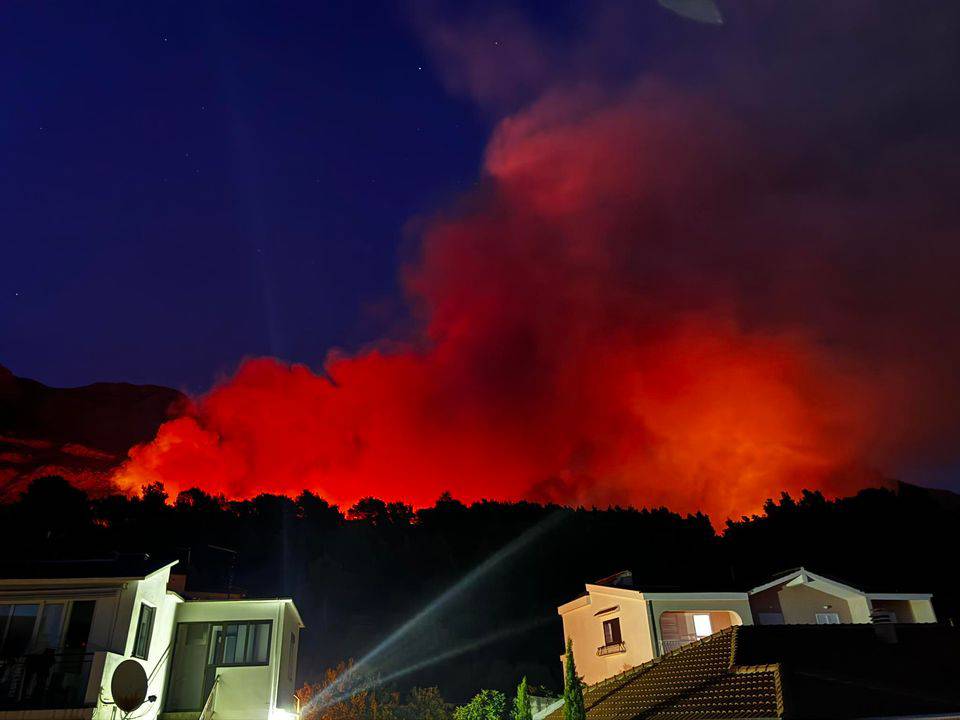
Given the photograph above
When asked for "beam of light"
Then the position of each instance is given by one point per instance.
(434, 659)
(448, 595)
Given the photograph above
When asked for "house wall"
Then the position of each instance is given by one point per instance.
(126, 603)
(923, 611)
(245, 693)
(290, 643)
(586, 630)
(153, 591)
(766, 602)
(106, 615)
(801, 603)
(901, 608)
(123, 613)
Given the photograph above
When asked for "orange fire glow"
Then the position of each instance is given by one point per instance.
(591, 336)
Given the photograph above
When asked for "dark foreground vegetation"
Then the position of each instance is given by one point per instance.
(359, 575)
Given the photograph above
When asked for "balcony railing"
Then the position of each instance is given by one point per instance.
(612, 649)
(678, 641)
(44, 681)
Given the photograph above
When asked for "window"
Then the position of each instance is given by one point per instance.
(79, 624)
(18, 631)
(48, 632)
(141, 642)
(246, 643)
(31, 628)
(611, 632)
(702, 626)
(828, 619)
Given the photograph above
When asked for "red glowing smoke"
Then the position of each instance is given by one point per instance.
(647, 301)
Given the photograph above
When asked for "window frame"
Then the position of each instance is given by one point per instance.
(615, 638)
(149, 633)
(218, 658)
(41, 602)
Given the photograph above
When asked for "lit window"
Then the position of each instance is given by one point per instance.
(141, 644)
(702, 626)
(245, 643)
(828, 619)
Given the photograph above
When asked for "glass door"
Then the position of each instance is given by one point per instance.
(187, 687)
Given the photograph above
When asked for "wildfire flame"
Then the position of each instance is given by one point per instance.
(647, 300)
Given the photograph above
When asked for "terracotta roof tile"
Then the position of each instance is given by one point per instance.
(823, 671)
(698, 681)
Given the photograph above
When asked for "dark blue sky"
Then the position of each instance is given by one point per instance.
(187, 184)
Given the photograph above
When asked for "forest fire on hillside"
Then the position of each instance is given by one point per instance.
(588, 338)
(660, 291)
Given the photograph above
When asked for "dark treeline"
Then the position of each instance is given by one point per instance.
(359, 575)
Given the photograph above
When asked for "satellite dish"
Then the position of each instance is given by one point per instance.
(129, 685)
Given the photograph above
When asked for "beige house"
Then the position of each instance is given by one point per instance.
(616, 626)
(65, 627)
(802, 597)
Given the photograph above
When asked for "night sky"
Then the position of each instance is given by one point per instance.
(185, 184)
(579, 251)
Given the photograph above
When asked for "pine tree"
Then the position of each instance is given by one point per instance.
(521, 703)
(573, 708)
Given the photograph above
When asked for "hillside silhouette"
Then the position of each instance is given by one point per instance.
(360, 573)
(83, 433)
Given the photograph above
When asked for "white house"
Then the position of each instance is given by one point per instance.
(616, 626)
(65, 626)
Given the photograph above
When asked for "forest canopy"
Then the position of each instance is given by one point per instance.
(360, 573)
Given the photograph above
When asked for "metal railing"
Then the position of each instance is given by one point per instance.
(208, 706)
(678, 642)
(44, 681)
(612, 648)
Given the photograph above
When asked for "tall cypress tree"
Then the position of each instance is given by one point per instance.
(521, 703)
(573, 708)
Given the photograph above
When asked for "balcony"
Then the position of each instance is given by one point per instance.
(46, 681)
(612, 649)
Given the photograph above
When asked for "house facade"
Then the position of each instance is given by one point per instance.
(64, 628)
(803, 597)
(808, 672)
(616, 626)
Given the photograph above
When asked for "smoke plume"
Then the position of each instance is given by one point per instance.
(702, 265)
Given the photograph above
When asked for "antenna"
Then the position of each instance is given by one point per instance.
(129, 685)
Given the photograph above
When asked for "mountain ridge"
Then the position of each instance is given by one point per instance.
(82, 433)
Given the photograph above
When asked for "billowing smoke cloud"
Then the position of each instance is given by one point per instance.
(693, 282)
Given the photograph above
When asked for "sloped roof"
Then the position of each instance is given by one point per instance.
(133, 566)
(696, 681)
(790, 671)
(850, 580)
(804, 576)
